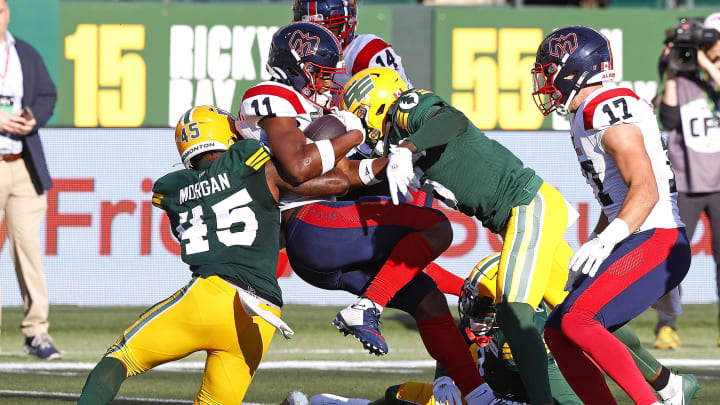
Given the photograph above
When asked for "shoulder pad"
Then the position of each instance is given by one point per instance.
(612, 107)
(271, 100)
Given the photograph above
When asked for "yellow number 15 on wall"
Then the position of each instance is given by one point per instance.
(110, 83)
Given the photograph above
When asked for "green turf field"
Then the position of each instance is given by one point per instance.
(318, 359)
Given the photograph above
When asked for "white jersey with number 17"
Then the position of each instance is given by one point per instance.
(603, 109)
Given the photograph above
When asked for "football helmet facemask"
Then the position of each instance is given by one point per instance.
(369, 94)
(567, 60)
(339, 16)
(204, 129)
(475, 304)
(302, 53)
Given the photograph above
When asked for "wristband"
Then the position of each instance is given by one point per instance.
(365, 172)
(616, 231)
(327, 154)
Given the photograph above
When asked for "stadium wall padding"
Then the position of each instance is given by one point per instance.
(105, 244)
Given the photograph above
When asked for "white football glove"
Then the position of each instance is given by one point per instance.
(446, 392)
(400, 174)
(593, 253)
(351, 121)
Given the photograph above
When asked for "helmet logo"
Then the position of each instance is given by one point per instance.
(563, 44)
(358, 90)
(303, 43)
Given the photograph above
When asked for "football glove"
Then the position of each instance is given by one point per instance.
(400, 174)
(351, 121)
(446, 392)
(593, 253)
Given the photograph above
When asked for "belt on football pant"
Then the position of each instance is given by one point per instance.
(11, 157)
(262, 297)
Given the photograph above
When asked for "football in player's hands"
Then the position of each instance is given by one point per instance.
(325, 127)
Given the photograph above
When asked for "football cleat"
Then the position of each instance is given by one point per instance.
(684, 388)
(362, 320)
(666, 339)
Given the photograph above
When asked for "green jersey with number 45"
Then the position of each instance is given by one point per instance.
(470, 171)
(225, 217)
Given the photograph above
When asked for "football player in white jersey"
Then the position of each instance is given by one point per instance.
(303, 60)
(345, 244)
(638, 250)
(359, 51)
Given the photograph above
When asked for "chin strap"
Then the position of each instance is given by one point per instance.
(563, 109)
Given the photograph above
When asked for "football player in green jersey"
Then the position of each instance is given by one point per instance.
(481, 178)
(224, 211)
(492, 353)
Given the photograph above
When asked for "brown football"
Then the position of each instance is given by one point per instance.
(325, 127)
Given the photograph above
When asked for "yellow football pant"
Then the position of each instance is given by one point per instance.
(206, 315)
(532, 246)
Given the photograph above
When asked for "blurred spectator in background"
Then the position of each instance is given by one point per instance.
(689, 110)
(27, 100)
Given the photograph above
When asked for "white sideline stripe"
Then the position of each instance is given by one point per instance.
(300, 364)
(268, 365)
(68, 395)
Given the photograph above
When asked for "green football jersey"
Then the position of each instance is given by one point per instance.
(226, 219)
(486, 179)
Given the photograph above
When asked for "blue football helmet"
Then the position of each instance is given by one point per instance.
(300, 54)
(339, 16)
(567, 60)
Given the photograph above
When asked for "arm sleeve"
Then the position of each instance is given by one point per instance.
(669, 117)
(440, 129)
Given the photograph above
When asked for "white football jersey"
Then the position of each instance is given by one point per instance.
(607, 107)
(368, 50)
(273, 99)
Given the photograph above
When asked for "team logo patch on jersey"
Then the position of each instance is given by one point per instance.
(304, 44)
(409, 101)
(563, 44)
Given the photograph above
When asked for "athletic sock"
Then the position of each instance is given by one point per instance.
(528, 350)
(104, 382)
(445, 344)
(646, 362)
(447, 282)
(411, 254)
(660, 382)
(609, 353)
(583, 375)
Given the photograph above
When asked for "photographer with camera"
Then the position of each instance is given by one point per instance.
(689, 111)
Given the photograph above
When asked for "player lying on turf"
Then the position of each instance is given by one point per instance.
(494, 358)
(223, 209)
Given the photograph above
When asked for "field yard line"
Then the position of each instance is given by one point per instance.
(299, 364)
